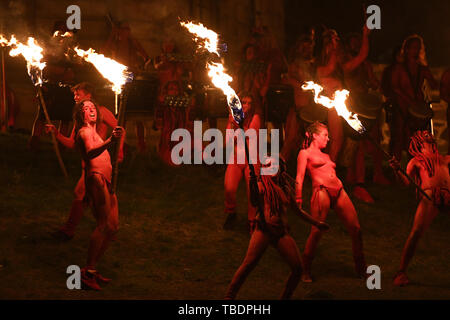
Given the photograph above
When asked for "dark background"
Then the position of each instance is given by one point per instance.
(399, 18)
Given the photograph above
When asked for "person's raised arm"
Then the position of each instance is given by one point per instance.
(302, 160)
(353, 63)
(92, 150)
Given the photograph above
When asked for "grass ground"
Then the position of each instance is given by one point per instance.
(171, 244)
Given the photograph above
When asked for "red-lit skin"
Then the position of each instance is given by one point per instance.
(322, 172)
(445, 95)
(359, 77)
(300, 71)
(78, 206)
(404, 93)
(173, 118)
(98, 170)
(234, 171)
(426, 211)
(259, 241)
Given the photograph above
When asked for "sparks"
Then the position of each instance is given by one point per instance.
(338, 103)
(110, 69)
(204, 36)
(31, 52)
(63, 35)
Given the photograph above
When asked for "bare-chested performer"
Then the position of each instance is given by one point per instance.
(82, 91)
(430, 169)
(328, 192)
(276, 194)
(98, 173)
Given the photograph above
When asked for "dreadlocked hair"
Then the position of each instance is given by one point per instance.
(415, 149)
(313, 128)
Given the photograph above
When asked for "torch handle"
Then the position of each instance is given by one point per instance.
(55, 142)
(117, 144)
(253, 183)
(389, 156)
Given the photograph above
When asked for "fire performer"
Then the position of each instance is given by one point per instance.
(82, 91)
(328, 192)
(359, 78)
(431, 169)
(445, 95)
(275, 193)
(234, 171)
(407, 80)
(12, 105)
(98, 172)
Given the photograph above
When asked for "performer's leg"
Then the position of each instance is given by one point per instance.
(425, 214)
(347, 213)
(101, 207)
(256, 248)
(77, 209)
(292, 135)
(140, 134)
(359, 191)
(233, 175)
(336, 134)
(320, 206)
(112, 225)
(289, 251)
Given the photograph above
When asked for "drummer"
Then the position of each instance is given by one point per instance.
(359, 79)
(301, 69)
(408, 78)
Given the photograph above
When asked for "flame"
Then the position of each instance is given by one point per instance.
(338, 103)
(31, 52)
(110, 69)
(209, 37)
(63, 35)
(221, 80)
(216, 71)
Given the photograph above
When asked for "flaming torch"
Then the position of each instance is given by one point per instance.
(338, 103)
(118, 75)
(32, 53)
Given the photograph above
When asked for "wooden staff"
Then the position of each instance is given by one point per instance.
(117, 144)
(55, 142)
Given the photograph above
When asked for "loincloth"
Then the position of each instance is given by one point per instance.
(333, 193)
(440, 197)
(106, 182)
(274, 231)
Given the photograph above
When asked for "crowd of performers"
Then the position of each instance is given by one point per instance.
(269, 87)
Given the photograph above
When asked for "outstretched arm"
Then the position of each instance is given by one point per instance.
(410, 170)
(68, 142)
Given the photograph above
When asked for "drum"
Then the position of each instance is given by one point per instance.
(419, 116)
(279, 99)
(59, 101)
(215, 103)
(143, 94)
(368, 107)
